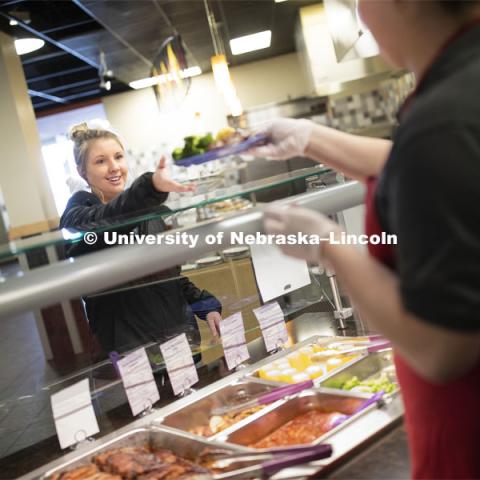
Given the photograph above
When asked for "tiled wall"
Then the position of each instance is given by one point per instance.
(374, 107)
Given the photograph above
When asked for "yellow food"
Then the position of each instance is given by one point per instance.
(300, 377)
(297, 360)
(333, 363)
(224, 133)
(274, 375)
(287, 375)
(315, 371)
(309, 362)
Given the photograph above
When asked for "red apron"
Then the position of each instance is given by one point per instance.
(442, 421)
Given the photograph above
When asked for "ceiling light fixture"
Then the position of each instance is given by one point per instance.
(27, 45)
(105, 84)
(104, 73)
(250, 43)
(151, 81)
(280, 1)
(17, 16)
(221, 74)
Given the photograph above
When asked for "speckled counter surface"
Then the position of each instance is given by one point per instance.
(386, 459)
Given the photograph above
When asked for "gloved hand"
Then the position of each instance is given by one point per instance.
(292, 220)
(288, 138)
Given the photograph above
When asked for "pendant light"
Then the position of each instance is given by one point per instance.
(221, 73)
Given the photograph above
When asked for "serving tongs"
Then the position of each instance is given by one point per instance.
(270, 397)
(278, 459)
(355, 348)
(375, 399)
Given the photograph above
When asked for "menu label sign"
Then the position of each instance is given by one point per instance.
(234, 343)
(272, 322)
(138, 381)
(73, 414)
(179, 362)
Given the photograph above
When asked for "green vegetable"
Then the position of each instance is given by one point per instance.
(190, 140)
(194, 145)
(372, 385)
(205, 141)
(349, 384)
(177, 154)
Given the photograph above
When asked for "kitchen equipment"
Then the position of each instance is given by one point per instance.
(182, 444)
(236, 252)
(270, 397)
(208, 261)
(197, 415)
(369, 367)
(269, 468)
(260, 426)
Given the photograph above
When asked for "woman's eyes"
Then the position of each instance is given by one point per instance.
(118, 157)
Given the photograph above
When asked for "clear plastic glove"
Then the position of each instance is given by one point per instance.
(292, 220)
(162, 182)
(288, 138)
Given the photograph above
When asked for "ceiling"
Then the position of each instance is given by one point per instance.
(129, 33)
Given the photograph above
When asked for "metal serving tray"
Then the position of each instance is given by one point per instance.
(198, 413)
(250, 432)
(317, 339)
(183, 444)
(366, 367)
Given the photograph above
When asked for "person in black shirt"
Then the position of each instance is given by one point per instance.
(424, 293)
(157, 307)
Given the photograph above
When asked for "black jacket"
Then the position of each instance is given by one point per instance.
(141, 313)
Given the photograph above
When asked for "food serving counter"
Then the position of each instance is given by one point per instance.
(347, 427)
(346, 421)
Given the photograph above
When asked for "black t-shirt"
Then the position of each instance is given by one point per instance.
(429, 191)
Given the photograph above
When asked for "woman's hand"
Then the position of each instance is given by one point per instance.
(287, 138)
(294, 220)
(213, 321)
(162, 182)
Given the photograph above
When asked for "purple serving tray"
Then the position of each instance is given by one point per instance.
(221, 152)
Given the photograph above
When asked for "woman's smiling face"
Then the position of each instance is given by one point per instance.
(106, 167)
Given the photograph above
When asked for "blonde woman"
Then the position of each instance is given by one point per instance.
(141, 314)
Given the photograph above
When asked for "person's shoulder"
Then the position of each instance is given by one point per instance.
(451, 104)
(82, 198)
(78, 199)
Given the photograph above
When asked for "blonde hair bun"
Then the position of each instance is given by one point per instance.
(78, 132)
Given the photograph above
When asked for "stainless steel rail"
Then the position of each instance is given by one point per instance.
(72, 278)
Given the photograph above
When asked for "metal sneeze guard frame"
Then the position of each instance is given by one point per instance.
(71, 278)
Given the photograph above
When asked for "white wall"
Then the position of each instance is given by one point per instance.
(268, 81)
(59, 124)
(23, 178)
(136, 116)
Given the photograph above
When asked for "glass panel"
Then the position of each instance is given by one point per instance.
(203, 203)
(130, 315)
(63, 347)
(29, 417)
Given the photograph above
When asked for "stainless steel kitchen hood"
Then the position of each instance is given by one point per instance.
(335, 48)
